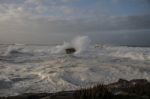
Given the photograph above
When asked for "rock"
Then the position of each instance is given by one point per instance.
(28, 96)
(124, 83)
(61, 95)
(70, 50)
(137, 87)
(139, 82)
(120, 84)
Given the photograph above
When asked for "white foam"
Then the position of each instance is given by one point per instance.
(81, 43)
(57, 72)
(131, 53)
(13, 48)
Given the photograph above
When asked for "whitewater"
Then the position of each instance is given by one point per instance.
(47, 68)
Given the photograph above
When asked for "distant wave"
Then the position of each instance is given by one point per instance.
(130, 52)
(13, 49)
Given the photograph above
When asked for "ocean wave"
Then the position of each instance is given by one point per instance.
(38, 69)
(79, 43)
(13, 49)
(131, 53)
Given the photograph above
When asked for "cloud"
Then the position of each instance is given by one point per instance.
(38, 19)
(62, 18)
(69, 1)
(66, 18)
(30, 9)
(50, 2)
(36, 1)
(70, 24)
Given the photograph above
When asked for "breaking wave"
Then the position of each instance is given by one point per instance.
(131, 53)
(35, 68)
(13, 49)
(80, 43)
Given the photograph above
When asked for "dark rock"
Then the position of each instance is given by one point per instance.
(70, 50)
(123, 81)
(139, 81)
(136, 87)
(125, 84)
(28, 96)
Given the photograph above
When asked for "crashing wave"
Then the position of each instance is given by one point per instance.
(13, 49)
(80, 44)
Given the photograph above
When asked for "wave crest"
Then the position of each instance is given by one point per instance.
(80, 43)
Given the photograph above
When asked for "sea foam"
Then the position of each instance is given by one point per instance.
(13, 49)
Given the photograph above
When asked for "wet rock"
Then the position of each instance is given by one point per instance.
(61, 95)
(70, 50)
(139, 82)
(137, 87)
(28, 96)
(126, 84)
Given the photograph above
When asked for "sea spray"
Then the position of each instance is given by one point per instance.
(13, 49)
(80, 43)
(60, 48)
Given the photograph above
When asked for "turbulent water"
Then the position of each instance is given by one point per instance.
(33, 68)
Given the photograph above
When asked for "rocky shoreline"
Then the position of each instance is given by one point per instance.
(122, 89)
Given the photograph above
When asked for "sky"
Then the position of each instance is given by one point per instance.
(122, 22)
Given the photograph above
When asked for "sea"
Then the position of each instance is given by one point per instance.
(30, 68)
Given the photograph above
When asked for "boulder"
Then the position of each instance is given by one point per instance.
(70, 50)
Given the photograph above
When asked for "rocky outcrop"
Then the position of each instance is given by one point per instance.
(136, 87)
(123, 89)
(70, 50)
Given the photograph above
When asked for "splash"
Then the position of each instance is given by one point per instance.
(13, 49)
(80, 43)
(60, 48)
